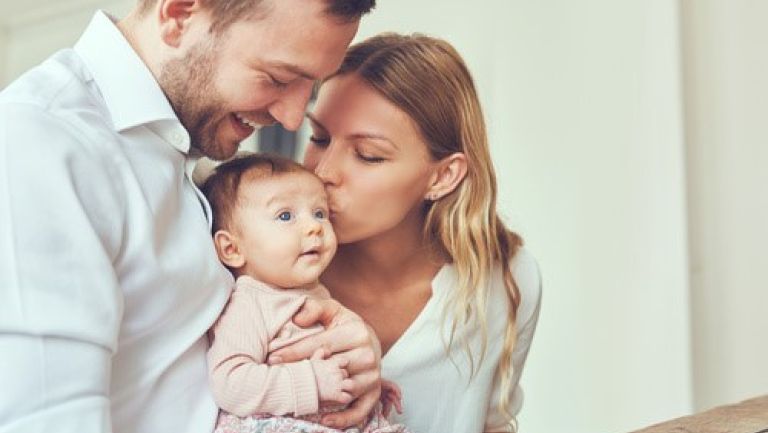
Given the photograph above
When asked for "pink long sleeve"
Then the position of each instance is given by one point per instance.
(257, 320)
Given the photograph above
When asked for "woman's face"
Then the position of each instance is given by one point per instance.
(370, 155)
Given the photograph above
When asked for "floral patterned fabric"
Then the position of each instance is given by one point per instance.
(228, 423)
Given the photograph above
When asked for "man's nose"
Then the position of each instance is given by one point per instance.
(289, 109)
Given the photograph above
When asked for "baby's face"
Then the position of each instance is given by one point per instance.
(283, 229)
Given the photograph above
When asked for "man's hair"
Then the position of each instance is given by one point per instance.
(226, 12)
(222, 187)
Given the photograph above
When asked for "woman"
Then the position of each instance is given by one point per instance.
(400, 142)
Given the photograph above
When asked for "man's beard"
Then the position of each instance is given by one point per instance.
(189, 85)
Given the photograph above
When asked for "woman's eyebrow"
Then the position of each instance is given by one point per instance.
(314, 120)
(358, 136)
(376, 137)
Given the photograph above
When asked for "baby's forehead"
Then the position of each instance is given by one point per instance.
(292, 187)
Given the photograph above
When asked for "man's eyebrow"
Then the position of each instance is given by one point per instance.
(292, 69)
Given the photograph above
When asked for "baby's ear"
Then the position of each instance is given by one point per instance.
(227, 249)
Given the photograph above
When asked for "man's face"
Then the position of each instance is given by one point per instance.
(256, 72)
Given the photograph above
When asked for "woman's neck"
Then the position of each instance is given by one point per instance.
(391, 259)
(386, 279)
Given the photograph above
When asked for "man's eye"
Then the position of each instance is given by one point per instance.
(277, 83)
(285, 216)
(320, 214)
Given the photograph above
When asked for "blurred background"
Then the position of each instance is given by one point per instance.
(631, 143)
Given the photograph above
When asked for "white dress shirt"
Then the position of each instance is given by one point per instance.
(438, 395)
(108, 276)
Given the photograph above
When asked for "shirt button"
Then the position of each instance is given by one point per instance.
(178, 138)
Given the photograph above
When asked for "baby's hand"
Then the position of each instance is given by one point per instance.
(333, 383)
(390, 396)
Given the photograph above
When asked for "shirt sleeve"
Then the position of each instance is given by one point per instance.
(242, 382)
(60, 303)
(526, 274)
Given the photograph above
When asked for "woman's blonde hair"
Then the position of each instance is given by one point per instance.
(427, 79)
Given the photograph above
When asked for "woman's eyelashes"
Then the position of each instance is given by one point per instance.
(369, 158)
(361, 154)
(368, 153)
(320, 141)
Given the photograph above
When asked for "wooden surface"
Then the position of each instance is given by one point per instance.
(749, 416)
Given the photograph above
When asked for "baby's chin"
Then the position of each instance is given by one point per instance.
(305, 281)
(304, 284)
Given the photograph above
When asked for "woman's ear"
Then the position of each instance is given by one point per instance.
(175, 19)
(450, 171)
(227, 249)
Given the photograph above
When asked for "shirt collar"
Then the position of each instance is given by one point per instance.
(130, 91)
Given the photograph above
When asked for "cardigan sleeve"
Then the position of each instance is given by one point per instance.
(242, 382)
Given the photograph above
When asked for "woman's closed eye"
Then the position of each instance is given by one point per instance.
(369, 157)
(320, 141)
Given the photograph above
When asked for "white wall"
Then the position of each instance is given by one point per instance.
(32, 37)
(584, 110)
(3, 55)
(726, 76)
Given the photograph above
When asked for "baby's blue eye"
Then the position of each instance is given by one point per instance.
(285, 216)
(320, 214)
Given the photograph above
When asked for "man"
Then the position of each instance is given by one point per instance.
(108, 278)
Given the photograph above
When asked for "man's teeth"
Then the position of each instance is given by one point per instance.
(248, 122)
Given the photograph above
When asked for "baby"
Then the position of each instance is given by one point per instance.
(271, 229)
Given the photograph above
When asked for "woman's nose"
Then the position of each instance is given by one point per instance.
(327, 167)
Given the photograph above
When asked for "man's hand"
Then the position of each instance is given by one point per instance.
(351, 343)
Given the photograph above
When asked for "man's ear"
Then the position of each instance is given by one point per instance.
(227, 249)
(175, 18)
(449, 173)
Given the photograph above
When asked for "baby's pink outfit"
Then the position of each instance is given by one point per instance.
(256, 397)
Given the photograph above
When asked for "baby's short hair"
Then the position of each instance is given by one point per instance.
(221, 188)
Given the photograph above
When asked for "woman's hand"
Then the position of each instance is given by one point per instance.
(348, 339)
